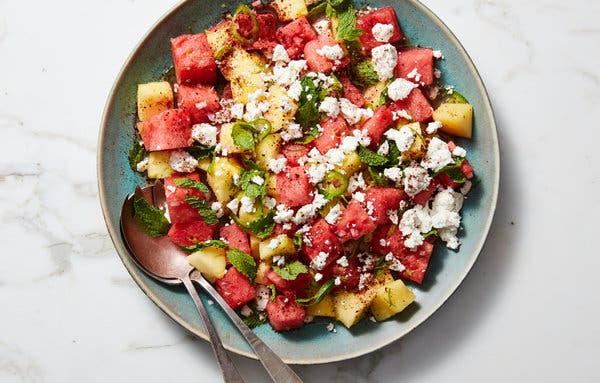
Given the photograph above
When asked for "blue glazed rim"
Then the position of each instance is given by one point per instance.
(485, 108)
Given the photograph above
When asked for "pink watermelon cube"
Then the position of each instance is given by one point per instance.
(295, 35)
(331, 135)
(379, 200)
(198, 101)
(351, 92)
(416, 104)
(354, 222)
(235, 288)
(416, 65)
(294, 152)
(190, 233)
(322, 240)
(235, 236)
(284, 313)
(377, 125)
(422, 197)
(171, 129)
(385, 15)
(293, 187)
(193, 60)
(179, 210)
(319, 60)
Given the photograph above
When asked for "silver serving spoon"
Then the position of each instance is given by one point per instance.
(163, 260)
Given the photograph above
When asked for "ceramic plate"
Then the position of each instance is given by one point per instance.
(313, 343)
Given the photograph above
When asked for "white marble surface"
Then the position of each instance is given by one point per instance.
(529, 310)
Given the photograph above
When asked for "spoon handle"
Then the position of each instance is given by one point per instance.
(277, 369)
(230, 372)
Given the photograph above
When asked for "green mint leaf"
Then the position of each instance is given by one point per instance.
(307, 114)
(151, 219)
(255, 319)
(208, 215)
(205, 244)
(262, 227)
(370, 158)
(456, 175)
(453, 166)
(244, 263)
(394, 155)
(136, 154)
(252, 189)
(290, 271)
(363, 74)
(190, 183)
(243, 135)
(347, 29)
(201, 152)
(319, 295)
(377, 177)
(298, 238)
(273, 292)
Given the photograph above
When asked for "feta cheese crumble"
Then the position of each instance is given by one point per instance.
(280, 54)
(404, 138)
(330, 107)
(277, 165)
(384, 59)
(205, 134)
(331, 52)
(400, 88)
(416, 179)
(182, 162)
(334, 214)
(382, 32)
(438, 155)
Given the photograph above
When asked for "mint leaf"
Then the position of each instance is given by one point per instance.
(377, 177)
(151, 219)
(290, 271)
(262, 227)
(347, 29)
(243, 135)
(363, 74)
(255, 319)
(199, 246)
(318, 296)
(456, 175)
(244, 263)
(201, 152)
(190, 183)
(252, 189)
(371, 158)
(136, 154)
(298, 238)
(394, 155)
(208, 215)
(307, 114)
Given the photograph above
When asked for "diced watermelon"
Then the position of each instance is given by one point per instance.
(416, 104)
(382, 200)
(415, 262)
(266, 36)
(227, 92)
(284, 313)
(235, 236)
(322, 240)
(354, 222)
(349, 275)
(378, 124)
(467, 169)
(190, 233)
(279, 229)
(179, 210)
(297, 286)
(318, 62)
(420, 59)
(351, 92)
(294, 152)
(331, 135)
(422, 197)
(193, 59)
(392, 240)
(198, 101)
(446, 181)
(385, 15)
(235, 288)
(171, 129)
(295, 35)
(293, 187)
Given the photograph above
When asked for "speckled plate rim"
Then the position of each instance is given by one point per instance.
(115, 233)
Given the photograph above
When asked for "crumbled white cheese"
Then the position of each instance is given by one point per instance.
(253, 112)
(333, 215)
(349, 144)
(433, 127)
(394, 174)
(237, 111)
(217, 207)
(385, 59)
(384, 149)
(414, 74)
(246, 205)
(142, 166)
(283, 214)
(272, 245)
(359, 196)
(295, 90)
(331, 328)
(343, 261)
(337, 281)
(182, 162)
(382, 32)
(234, 205)
(320, 261)
(307, 212)
(318, 277)
(416, 179)
(334, 157)
(459, 152)
(356, 182)
(352, 113)
(396, 265)
(331, 52)
(397, 114)
(445, 216)
(437, 74)
(201, 105)
(393, 216)
(400, 88)
(414, 222)
(330, 107)
(280, 54)
(292, 132)
(277, 165)
(205, 134)
(286, 75)
(263, 293)
(438, 155)
(437, 54)
(316, 173)
(404, 138)
(269, 202)
(258, 180)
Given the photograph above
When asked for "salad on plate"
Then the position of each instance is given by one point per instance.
(308, 156)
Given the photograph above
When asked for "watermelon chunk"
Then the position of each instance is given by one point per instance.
(235, 236)
(171, 129)
(319, 62)
(467, 169)
(446, 181)
(354, 222)
(416, 104)
(293, 187)
(331, 135)
(385, 15)
(179, 210)
(322, 240)
(380, 200)
(294, 152)
(419, 59)
(266, 35)
(295, 35)
(377, 125)
(284, 313)
(198, 101)
(297, 286)
(422, 197)
(235, 288)
(193, 59)
(190, 233)
(351, 92)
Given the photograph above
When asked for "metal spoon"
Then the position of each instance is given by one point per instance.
(162, 259)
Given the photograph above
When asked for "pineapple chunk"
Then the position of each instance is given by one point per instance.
(204, 164)
(153, 98)
(279, 245)
(325, 308)
(350, 165)
(243, 86)
(210, 261)
(159, 165)
(288, 10)
(240, 64)
(272, 186)
(390, 299)
(417, 150)
(261, 273)
(456, 119)
(372, 94)
(281, 108)
(220, 178)
(254, 245)
(219, 38)
(351, 307)
(226, 141)
(267, 149)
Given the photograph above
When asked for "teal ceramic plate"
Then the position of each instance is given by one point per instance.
(313, 343)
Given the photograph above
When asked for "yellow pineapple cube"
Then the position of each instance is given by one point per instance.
(351, 307)
(325, 308)
(210, 261)
(288, 10)
(220, 178)
(153, 98)
(281, 108)
(261, 273)
(220, 39)
(279, 245)
(240, 63)
(350, 165)
(159, 164)
(456, 119)
(267, 149)
(243, 86)
(390, 299)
